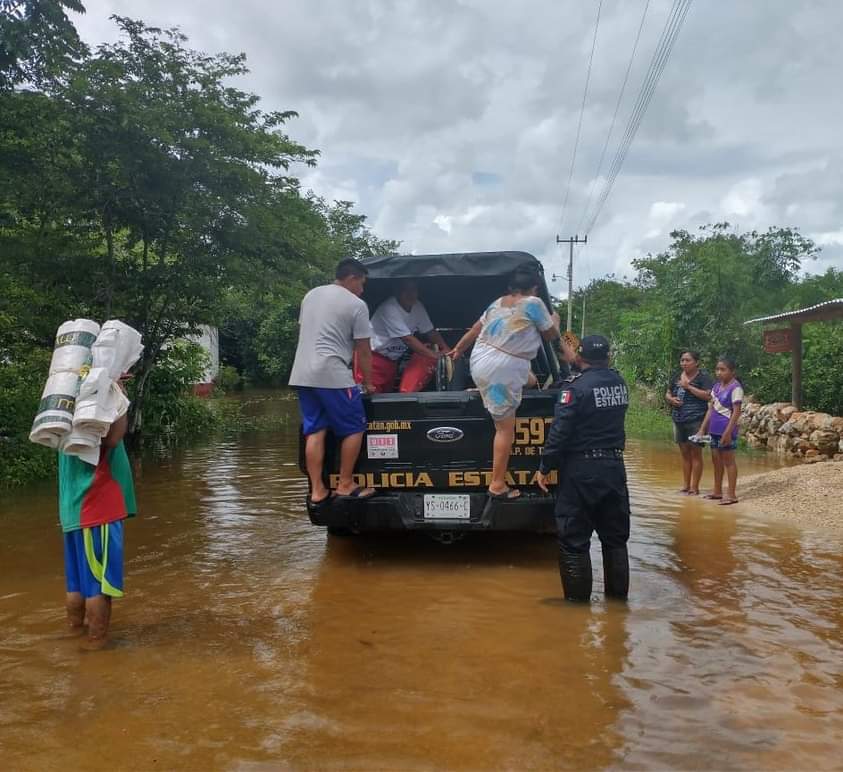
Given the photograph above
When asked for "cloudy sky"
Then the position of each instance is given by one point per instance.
(452, 122)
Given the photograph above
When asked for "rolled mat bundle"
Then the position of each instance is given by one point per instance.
(71, 354)
(82, 399)
(101, 402)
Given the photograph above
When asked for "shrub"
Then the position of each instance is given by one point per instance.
(21, 382)
(170, 411)
(228, 379)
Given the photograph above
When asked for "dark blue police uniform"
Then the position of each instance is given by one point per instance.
(585, 444)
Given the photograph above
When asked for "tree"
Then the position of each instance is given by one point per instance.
(606, 300)
(701, 290)
(38, 41)
(260, 324)
(175, 171)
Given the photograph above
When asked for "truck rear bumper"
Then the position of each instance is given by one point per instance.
(405, 511)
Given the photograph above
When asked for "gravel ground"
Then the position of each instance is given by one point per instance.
(808, 495)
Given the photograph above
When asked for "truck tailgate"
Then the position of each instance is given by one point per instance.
(443, 441)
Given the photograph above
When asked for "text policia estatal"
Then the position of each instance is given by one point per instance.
(461, 479)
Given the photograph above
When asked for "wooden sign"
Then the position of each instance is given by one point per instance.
(778, 341)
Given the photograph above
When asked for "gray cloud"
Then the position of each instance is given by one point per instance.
(451, 123)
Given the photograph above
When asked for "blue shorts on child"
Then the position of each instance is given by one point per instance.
(93, 560)
(340, 410)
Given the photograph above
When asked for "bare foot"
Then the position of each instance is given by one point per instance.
(507, 494)
(319, 497)
(355, 492)
(74, 631)
(95, 644)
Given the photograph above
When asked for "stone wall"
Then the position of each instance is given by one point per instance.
(779, 427)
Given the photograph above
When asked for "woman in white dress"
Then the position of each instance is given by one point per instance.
(508, 337)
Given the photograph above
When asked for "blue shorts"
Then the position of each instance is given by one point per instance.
(340, 410)
(716, 445)
(93, 560)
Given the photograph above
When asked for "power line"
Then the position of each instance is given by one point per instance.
(614, 117)
(657, 65)
(660, 58)
(582, 111)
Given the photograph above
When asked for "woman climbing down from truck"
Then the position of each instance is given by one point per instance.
(508, 337)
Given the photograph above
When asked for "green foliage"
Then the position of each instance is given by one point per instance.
(645, 420)
(698, 294)
(37, 40)
(703, 289)
(21, 382)
(228, 379)
(172, 410)
(260, 321)
(138, 182)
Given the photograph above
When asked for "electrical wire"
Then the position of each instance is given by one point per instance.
(592, 186)
(657, 65)
(579, 122)
(661, 56)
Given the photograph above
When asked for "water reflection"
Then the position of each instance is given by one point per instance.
(249, 639)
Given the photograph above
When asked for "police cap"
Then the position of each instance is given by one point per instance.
(594, 348)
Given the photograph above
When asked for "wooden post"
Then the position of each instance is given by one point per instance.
(796, 349)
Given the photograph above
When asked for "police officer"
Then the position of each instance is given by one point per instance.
(586, 444)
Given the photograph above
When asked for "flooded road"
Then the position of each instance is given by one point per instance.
(250, 640)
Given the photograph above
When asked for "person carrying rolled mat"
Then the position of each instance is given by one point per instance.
(399, 325)
(94, 500)
(508, 337)
(585, 445)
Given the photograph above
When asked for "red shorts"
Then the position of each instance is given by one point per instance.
(417, 374)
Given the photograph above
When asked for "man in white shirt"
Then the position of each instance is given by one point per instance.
(398, 326)
(334, 329)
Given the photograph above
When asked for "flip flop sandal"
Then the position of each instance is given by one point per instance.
(313, 503)
(684, 491)
(727, 502)
(357, 493)
(712, 497)
(505, 495)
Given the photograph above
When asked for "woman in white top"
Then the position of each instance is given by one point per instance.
(508, 337)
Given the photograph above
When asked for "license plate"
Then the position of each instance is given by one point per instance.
(447, 507)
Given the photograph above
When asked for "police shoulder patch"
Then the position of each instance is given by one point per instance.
(566, 397)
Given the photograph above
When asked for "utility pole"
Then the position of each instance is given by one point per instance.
(571, 241)
(582, 332)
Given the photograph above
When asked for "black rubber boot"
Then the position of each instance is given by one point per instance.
(575, 571)
(616, 572)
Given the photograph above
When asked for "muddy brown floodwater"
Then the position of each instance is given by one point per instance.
(250, 640)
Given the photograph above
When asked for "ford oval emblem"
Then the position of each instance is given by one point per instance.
(445, 434)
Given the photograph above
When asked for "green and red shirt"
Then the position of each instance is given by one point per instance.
(95, 495)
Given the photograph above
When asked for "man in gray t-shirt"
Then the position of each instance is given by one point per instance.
(334, 328)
